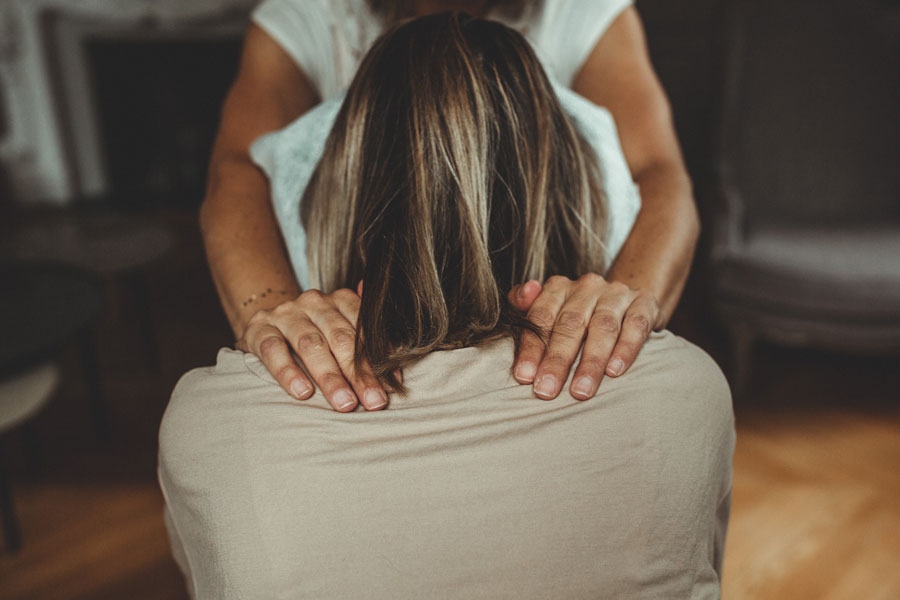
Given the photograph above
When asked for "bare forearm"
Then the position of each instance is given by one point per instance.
(618, 75)
(244, 248)
(657, 255)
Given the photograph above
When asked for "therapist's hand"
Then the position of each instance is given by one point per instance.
(612, 319)
(321, 328)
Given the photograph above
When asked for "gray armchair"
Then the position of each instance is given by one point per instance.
(806, 242)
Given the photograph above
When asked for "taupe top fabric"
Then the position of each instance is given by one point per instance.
(470, 487)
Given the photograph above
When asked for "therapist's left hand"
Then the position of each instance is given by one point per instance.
(611, 319)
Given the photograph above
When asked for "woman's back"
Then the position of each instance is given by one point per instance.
(468, 487)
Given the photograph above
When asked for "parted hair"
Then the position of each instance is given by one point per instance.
(451, 174)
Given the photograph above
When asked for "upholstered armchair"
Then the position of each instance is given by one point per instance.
(806, 242)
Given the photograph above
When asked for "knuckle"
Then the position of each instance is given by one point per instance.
(542, 316)
(556, 280)
(648, 297)
(530, 344)
(592, 279)
(556, 363)
(626, 350)
(619, 288)
(285, 308)
(260, 317)
(269, 344)
(592, 364)
(606, 322)
(311, 296)
(343, 340)
(571, 322)
(284, 373)
(311, 341)
(344, 295)
(641, 323)
(332, 380)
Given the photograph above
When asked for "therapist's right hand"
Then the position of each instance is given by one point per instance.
(321, 329)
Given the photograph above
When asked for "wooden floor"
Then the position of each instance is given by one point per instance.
(816, 507)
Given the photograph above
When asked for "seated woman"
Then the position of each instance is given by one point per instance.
(451, 174)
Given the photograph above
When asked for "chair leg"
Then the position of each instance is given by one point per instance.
(32, 448)
(742, 343)
(92, 383)
(11, 533)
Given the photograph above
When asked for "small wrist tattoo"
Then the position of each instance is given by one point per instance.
(260, 296)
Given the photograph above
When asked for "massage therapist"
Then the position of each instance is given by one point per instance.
(300, 52)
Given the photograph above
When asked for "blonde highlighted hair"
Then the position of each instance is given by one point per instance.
(450, 175)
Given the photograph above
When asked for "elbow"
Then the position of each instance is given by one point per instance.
(694, 226)
(689, 210)
(206, 215)
(203, 216)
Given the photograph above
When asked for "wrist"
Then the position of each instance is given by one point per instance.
(258, 299)
(264, 299)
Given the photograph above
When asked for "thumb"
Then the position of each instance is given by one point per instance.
(522, 296)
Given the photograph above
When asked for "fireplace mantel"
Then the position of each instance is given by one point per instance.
(51, 148)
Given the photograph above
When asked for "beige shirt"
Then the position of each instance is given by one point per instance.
(469, 487)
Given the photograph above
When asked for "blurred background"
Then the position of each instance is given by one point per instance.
(787, 113)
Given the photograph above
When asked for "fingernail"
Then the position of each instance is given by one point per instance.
(584, 386)
(299, 388)
(375, 399)
(525, 372)
(615, 367)
(343, 398)
(545, 386)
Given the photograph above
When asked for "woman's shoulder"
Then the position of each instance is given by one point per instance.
(564, 32)
(326, 38)
(240, 382)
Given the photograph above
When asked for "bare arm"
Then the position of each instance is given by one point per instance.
(243, 244)
(246, 253)
(613, 315)
(618, 75)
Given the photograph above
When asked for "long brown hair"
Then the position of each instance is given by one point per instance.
(450, 175)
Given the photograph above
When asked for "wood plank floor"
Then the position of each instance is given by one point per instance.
(816, 511)
(816, 506)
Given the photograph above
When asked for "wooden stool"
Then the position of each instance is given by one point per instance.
(22, 397)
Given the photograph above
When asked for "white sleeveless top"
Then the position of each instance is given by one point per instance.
(328, 38)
